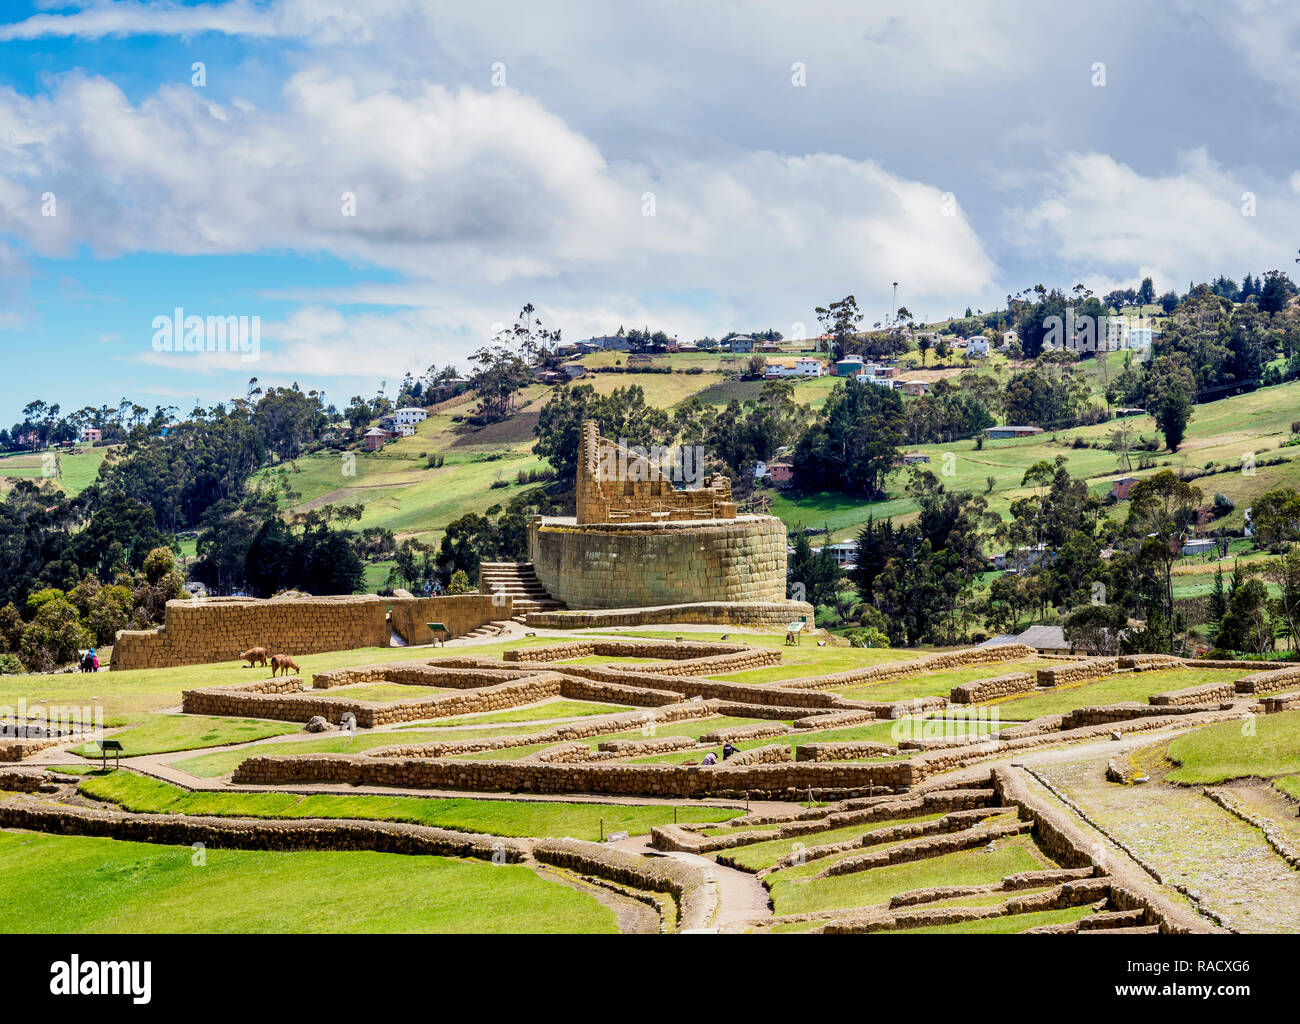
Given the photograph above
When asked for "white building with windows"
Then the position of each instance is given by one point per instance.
(409, 416)
(802, 367)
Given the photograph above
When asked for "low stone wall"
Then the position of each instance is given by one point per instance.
(737, 733)
(1077, 671)
(677, 659)
(772, 711)
(846, 751)
(596, 725)
(924, 848)
(743, 693)
(699, 613)
(693, 892)
(775, 754)
(22, 781)
(15, 749)
(533, 777)
(1285, 702)
(917, 666)
(256, 833)
(1209, 693)
(957, 757)
(991, 689)
(834, 720)
(1269, 682)
(1150, 662)
(197, 632)
(808, 822)
(303, 706)
(646, 747)
(1125, 711)
(1067, 894)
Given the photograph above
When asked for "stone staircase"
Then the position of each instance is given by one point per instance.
(487, 629)
(519, 582)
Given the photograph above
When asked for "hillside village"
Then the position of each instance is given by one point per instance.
(420, 467)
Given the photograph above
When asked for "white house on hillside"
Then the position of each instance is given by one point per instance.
(409, 416)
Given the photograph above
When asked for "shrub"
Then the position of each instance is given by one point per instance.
(460, 583)
(867, 637)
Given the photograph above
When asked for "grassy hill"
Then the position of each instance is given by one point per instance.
(72, 472)
(402, 493)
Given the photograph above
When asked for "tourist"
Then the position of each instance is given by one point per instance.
(727, 750)
(710, 758)
(94, 661)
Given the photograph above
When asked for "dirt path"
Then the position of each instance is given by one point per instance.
(741, 896)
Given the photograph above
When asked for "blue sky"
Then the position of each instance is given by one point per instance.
(506, 152)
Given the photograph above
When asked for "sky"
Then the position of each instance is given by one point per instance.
(384, 184)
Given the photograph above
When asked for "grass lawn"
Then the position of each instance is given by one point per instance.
(1137, 686)
(159, 734)
(810, 660)
(220, 762)
(542, 818)
(1288, 784)
(535, 712)
(127, 696)
(1227, 751)
(1009, 924)
(935, 684)
(764, 855)
(793, 895)
(86, 885)
(382, 693)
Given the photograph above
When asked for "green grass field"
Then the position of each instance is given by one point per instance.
(534, 712)
(72, 473)
(222, 762)
(1111, 690)
(1263, 746)
(159, 734)
(127, 696)
(764, 855)
(1009, 924)
(792, 894)
(935, 684)
(81, 885)
(495, 817)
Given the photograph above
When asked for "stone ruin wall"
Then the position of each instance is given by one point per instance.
(777, 779)
(701, 613)
(199, 632)
(638, 565)
(643, 494)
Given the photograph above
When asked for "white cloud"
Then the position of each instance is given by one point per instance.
(1103, 217)
(485, 193)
